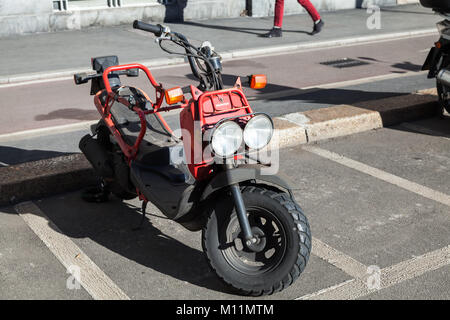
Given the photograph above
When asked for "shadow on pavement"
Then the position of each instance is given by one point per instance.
(69, 113)
(400, 10)
(333, 96)
(254, 31)
(12, 155)
(436, 127)
(406, 65)
(112, 224)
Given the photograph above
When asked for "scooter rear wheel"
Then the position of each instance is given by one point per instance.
(281, 253)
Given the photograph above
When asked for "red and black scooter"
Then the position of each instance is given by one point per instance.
(254, 235)
(438, 59)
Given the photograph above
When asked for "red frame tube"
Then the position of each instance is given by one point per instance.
(129, 151)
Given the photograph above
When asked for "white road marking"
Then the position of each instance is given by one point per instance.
(382, 175)
(317, 295)
(38, 81)
(33, 78)
(92, 278)
(33, 133)
(339, 259)
(415, 267)
(421, 129)
(390, 276)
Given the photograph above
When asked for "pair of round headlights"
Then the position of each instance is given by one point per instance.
(227, 137)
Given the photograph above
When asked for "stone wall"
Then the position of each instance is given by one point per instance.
(262, 8)
(31, 16)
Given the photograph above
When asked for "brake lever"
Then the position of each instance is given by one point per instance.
(165, 34)
(161, 38)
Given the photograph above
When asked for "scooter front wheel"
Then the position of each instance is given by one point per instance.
(279, 256)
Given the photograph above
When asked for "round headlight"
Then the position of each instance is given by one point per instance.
(258, 131)
(226, 139)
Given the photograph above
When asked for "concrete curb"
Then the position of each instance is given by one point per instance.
(45, 177)
(226, 55)
(320, 124)
(41, 178)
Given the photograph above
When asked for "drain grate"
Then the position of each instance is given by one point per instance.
(344, 63)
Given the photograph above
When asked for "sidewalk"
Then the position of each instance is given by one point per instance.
(72, 50)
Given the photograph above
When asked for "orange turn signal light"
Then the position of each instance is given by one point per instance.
(174, 95)
(438, 45)
(258, 81)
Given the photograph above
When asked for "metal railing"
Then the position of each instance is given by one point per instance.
(63, 5)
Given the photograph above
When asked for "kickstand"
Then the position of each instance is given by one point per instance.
(144, 207)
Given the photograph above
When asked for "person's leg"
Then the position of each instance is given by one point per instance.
(279, 13)
(315, 16)
(278, 21)
(309, 7)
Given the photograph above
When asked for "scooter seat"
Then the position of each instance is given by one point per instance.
(438, 5)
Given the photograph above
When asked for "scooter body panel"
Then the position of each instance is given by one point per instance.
(201, 116)
(166, 187)
(243, 175)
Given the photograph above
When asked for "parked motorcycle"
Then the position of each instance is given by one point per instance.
(254, 234)
(438, 59)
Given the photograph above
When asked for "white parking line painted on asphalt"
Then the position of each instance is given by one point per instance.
(333, 289)
(33, 133)
(421, 129)
(390, 276)
(415, 267)
(382, 175)
(339, 259)
(92, 278)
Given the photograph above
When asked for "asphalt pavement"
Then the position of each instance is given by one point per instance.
(297, 82)
(291, 78)
(68, 50)
(377, 201)
(372, 206)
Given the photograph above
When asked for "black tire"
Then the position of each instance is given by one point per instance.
(444, 103)
(270, 212)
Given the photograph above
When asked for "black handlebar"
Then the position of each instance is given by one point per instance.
(157, 30)
(192, 53)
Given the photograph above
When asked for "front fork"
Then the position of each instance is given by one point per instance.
(241, 211)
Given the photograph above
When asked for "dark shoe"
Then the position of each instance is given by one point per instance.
(274, 33)
(317, 27)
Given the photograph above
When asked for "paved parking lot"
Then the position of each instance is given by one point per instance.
(378, 203)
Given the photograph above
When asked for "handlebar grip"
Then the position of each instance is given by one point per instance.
(80, 78)
(157, 30)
